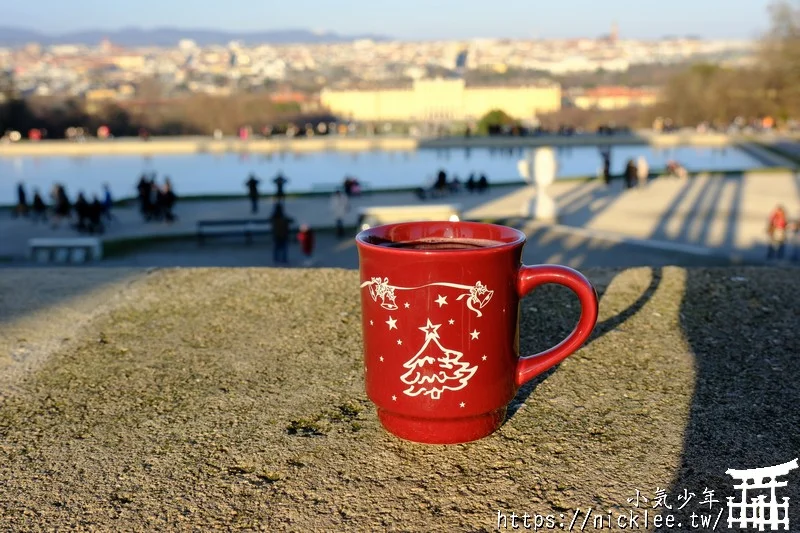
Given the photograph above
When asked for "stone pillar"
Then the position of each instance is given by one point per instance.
(539, 169)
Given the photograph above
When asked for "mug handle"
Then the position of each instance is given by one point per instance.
(530, 277)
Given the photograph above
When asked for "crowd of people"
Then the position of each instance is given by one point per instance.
(442, 186)
(89, 216)
(90, 213)
(156, 202)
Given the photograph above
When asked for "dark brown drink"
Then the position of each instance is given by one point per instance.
(440, 244)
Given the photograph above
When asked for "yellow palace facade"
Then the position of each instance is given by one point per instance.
(439, 100)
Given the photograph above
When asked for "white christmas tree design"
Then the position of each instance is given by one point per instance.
(435, 368)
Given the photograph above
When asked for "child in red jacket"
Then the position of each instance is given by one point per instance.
(306, 239)
(777, 233)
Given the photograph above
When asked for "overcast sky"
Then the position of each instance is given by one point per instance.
(406, 19)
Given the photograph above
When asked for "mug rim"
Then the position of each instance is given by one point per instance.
(519, 239)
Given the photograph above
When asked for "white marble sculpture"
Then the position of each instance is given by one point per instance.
(539, 169)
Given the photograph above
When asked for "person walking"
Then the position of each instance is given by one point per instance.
(252, 192)
(340, 206)
(776, 230)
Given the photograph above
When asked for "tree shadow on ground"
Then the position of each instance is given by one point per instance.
(744, 414)
(692, 223)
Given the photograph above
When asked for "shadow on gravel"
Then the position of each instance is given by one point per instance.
(47, 287)
(742, 326)
(537, 334)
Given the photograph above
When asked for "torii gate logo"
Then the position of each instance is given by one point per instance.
(755, 510)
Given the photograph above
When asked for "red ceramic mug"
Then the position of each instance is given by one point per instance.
(440, 315)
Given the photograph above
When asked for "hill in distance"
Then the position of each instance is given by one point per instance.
(167, 37)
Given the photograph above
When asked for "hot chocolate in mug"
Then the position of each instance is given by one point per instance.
(440, 318)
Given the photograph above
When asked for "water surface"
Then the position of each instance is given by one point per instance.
(196, 174)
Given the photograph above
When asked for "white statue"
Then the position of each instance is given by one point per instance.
(539, 169)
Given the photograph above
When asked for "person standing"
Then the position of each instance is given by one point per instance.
(22, 202)
(95, 216)
(340, 205)
(483, 184)
(795, 229)
(108, 202)
(306, 239)
(642, 171)
(777, 233)
(630, 174)
(143, 188)
(166, 201)
(279, 182)
(280, 235)
(471, 183)
(606, 155)
(82, 210)
(61, 205)
(440, 187)
(252, 192)
(39, 207)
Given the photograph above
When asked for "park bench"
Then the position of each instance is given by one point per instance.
(379, 215)
(333, 187)
(233, 227)
(65, 249)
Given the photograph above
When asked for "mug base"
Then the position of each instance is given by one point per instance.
(442, 431)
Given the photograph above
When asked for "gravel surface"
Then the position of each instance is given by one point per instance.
(196, 399)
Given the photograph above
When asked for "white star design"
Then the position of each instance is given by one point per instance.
(441, 300)
(451, 321)
(482, 358)
(430, 329)
(462, 404)
(475, 334)
(407, 305)
(371, 323)
(394, 398)
(392, 323)
(381, 358)
(399, 342)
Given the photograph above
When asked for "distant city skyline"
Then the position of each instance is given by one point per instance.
(409, 20)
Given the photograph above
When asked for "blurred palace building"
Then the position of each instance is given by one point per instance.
(442, 99)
